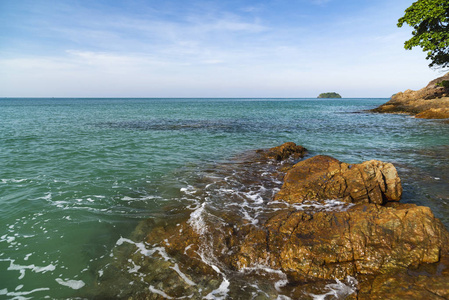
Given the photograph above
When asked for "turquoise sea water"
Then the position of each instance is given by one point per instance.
(77, 175)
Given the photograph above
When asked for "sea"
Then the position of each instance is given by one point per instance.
(78, 176)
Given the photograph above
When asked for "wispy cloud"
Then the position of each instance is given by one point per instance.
(204, 48)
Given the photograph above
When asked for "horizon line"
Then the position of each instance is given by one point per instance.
(127, 97)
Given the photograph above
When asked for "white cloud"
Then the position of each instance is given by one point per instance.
(217, 54)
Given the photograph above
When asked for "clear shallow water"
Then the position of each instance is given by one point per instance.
(77, 175)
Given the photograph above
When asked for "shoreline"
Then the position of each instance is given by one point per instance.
(430, 102)
(365, 238)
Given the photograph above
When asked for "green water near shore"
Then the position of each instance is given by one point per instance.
(76, 175)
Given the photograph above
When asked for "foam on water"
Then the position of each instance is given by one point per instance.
(19, 295)
(159, 292)
(73, 284)
(281, 281)
(182, 275)
(196, 220)
(22, 268)
(221, 292)
(314, 206)
(339, 290)
(143, 249)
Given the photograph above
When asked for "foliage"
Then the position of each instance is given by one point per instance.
(430, 22)
(329, 95)
(444, 83)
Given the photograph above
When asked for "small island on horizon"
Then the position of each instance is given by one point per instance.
(329, 95)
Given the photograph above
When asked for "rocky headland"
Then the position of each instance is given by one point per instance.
(328, 221)
(430, 102)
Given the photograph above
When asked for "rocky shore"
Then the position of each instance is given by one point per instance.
(430, 102)
(329, 221)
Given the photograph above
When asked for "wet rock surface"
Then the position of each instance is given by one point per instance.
(424, 282)
(323, 177)
(284, 151)
(430, 102)
(326, 221)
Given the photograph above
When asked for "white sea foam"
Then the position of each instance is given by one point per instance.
(143, 250)
(13, 180)
(159, 292)
(8, 239)
(326, 205)
(252, 220)
(338, 289)
(129, 199)
(18, 295)
(196, 220)
(189, 190)
(135, 267)
(182, 275)
(187, 248)
(283, 297)
(47, 197)
(73, 284)
(255, 197)
(221, 292)
(283, 281)
(33, 268)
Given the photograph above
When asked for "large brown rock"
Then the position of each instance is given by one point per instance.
(323, 177)
(366, 239)
(430, 102)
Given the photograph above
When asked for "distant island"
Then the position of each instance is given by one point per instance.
(329, 95)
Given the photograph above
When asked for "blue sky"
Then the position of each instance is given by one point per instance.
(183, 48)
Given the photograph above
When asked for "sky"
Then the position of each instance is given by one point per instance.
(201, 48)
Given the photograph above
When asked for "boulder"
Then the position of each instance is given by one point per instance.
(366, 239)
(322, 177)
(284, 151)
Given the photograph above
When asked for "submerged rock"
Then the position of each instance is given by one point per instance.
(425, 282)
(322, 177)
(284, 151)
(430, 102)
